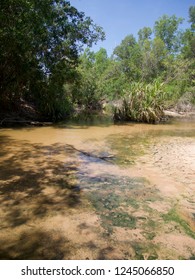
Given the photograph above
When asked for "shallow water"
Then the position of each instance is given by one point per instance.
(98, 190)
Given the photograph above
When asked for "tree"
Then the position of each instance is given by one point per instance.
(101, 61)
(189, 36)
(192, 17)
(153, 53)
(92, 67)
(85, 92)
(128, 53)
(166, 28)
(188, 50)
(144, 34)
(40, 41)
(113, 81)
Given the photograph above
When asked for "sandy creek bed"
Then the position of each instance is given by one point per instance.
(56, 202)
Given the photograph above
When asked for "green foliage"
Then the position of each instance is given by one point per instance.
(166, 28)
(188, 49)
(192, 17)
(92, 70)
(38, 39)
(142, 102)
(86, 94)
(153, 55)
(189, 36)
(128, 54)
(112, 81)
(177, 74)
(144, 34)
(44, 64)
(159, 59)
(131, 76)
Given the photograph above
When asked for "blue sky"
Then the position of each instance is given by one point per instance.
(122, 17)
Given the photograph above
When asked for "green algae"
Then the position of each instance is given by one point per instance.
(173, 216)
(145, 251)
(119, 219)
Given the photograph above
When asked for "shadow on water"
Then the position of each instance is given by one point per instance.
(38, 183)
(36, 245)
(35, 183)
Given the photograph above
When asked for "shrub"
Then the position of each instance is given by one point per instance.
(142, 103)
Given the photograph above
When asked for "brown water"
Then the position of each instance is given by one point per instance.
(98, 191)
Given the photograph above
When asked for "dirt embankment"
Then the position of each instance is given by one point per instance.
(184, 108)
(23, 114)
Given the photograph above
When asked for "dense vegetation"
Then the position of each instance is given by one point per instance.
(42, 61)
(40, 44)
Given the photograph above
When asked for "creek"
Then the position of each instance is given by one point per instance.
(97, 190)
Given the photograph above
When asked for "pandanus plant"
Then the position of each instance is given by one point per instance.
(142, 103)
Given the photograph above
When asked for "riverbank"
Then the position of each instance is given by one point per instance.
(26, 113)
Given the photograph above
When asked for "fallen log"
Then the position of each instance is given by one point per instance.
(105, 158)
(173, 114)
